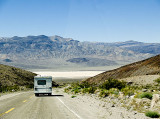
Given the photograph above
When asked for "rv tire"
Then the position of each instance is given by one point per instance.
(49, 94)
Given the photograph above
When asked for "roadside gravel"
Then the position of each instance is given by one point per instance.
(93, 107)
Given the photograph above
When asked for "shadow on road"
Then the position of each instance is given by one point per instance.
(50, 95)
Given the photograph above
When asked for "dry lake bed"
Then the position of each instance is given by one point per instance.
(70, 76)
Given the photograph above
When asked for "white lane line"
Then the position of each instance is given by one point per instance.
(69, 108)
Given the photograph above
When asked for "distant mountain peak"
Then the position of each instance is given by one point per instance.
(39, 36)
(59, 38)
(132, 41)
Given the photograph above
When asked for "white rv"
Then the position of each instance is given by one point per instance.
(42, 85)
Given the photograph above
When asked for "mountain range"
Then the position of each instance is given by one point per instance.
(52, 52)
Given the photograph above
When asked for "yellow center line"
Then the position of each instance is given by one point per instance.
(13, 108)
(25, 101)
(29, 97)
(2, 114)
(9, 110)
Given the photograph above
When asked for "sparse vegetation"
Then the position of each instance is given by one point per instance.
(128, 90)
(132, 97)
(13, 79)
(146, 95)
(152, 114)
(113, 83)
(73, 96)
(9, 88)
(157, 80)
(114, 91)
(104, 93)
(83, 87)
(111, 86)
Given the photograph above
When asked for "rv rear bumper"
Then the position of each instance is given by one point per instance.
(42, 91)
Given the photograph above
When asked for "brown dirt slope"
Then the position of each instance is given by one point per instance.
(149, 66)
(10, 76)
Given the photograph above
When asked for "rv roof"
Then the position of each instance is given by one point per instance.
(43, 76)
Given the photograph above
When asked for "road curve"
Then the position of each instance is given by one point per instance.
(27, 106)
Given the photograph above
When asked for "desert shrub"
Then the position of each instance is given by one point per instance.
(137, 95)
(73, 96)
(30, 86)
(91, 89)
(76, 90)
(113, 91)
(148, 86)
(74, 85)
(85, 90)
(15, 88)
(152, 114)
(83, 87)
(104, 93)
(0, 87)
(113, 83)
(157, 80)
(128, 91)
(4, 89)
(67, 89)
(146, 95)
(85, 84)
(9, 88)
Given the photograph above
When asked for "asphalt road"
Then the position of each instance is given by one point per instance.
(24, 105)
(27, 106)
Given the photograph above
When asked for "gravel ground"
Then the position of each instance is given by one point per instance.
(143, 80)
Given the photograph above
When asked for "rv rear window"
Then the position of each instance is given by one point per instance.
(41, 82)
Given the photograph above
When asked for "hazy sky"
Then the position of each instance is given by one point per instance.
(83, 20)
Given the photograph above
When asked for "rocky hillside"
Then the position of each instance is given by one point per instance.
(10, 76)
(48, 52)
(149, 66)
